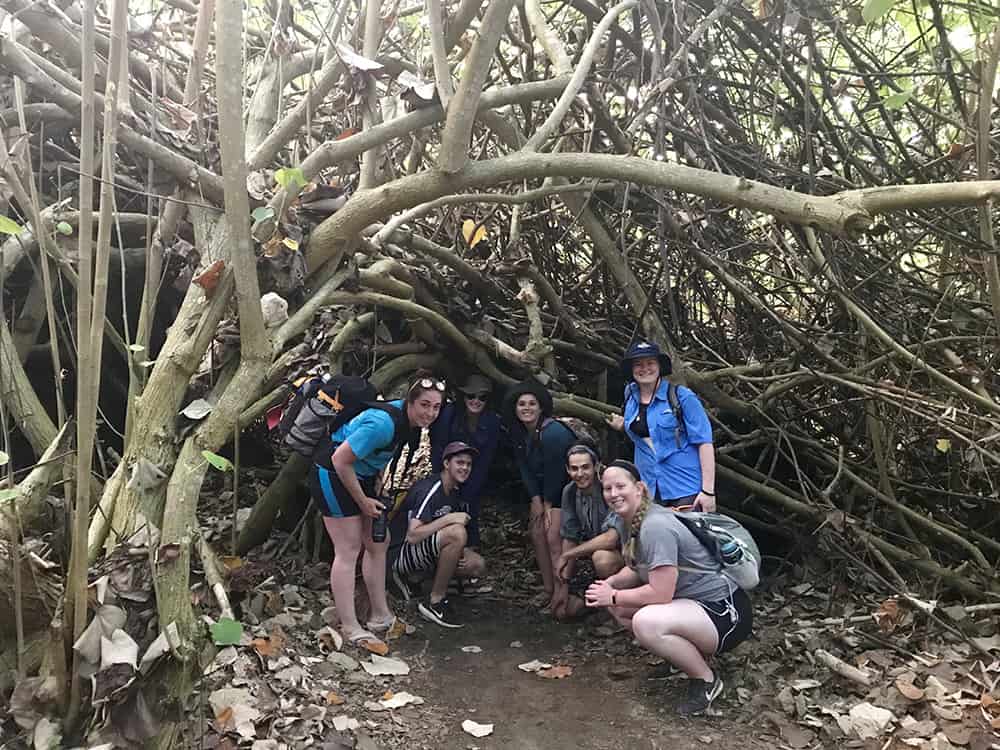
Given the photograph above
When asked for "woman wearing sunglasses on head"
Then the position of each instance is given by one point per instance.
(343, 484)
(670, 430)
(469, 420)
(540, 445)
(671, 593)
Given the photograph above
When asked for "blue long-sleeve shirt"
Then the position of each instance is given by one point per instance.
(541, 458)
(674, 470)
(448, 427)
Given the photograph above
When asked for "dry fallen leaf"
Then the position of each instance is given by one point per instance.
(888, 615)
(272, 645)
(333, 699)
(909, 690)
(556, 673)
(375, 647)
(473, 232)
(476, 730)
(209, 278)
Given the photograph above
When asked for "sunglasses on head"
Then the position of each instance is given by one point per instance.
(428, 383)
(478, 396)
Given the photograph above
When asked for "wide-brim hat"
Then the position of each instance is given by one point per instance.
(533, 387)
(641, 350)
(476, 384)
(456, 448)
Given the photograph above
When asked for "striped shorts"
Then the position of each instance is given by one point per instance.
(413, 558)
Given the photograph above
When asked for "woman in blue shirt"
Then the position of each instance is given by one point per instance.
(675, 457)
(343, 484)
(469, 420)
(540, 445)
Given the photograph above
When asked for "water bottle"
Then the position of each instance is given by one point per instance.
(731, 552)
(380, 526)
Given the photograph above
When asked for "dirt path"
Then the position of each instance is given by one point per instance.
(608, 701)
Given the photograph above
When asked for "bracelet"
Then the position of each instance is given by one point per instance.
(706, 492)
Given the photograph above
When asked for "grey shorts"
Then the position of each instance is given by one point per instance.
(414, 558)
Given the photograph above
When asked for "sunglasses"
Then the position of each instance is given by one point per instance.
(428, 383)
(478, 396)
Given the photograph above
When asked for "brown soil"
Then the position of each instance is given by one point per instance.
(608, 702)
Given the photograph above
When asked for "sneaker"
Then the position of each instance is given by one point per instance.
(437, 612)
(400, 588)
(700, 696)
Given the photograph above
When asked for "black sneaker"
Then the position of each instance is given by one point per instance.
(700, 696)
(437, 612)
(400, 588)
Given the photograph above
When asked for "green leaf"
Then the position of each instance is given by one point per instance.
(8, 494)
(4, 459)
(288, 175)
(9, 226)
(227, 632)
(875, 9)
(897, 101)
(219, 462)
(943, 445)
(63, 227)
(263, 213)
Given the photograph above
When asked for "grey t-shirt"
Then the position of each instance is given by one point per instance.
(584, 514)
(664, 540)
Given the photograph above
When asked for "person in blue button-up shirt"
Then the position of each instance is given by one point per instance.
(469, 420)
(677, 461)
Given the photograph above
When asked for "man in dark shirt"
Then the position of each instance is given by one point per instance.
(428, 533)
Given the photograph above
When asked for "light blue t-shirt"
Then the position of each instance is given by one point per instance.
(673, 470)
(370, 436)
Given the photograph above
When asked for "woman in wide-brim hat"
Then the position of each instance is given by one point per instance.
(670, 431)
(469, 419)
(540, 445)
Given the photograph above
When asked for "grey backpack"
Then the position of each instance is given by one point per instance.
(715, 529)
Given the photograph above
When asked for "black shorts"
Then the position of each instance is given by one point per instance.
(331, 497)
(733, 619)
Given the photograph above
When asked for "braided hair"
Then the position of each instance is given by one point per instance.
(632, 532)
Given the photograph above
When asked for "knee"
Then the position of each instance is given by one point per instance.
(453, 534)
(606, 562)
(646, 626)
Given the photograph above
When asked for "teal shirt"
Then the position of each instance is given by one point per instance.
(370, 436)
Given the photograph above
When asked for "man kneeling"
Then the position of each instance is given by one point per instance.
(589, 531)
(428, 534)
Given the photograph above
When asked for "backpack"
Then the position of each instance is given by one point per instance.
(713, 530)
(322, 405)
(675, 406)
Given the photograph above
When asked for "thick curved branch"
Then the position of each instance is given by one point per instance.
(462, 110)
(510, 199)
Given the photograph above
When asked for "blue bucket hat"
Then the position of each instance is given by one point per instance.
(640, 350)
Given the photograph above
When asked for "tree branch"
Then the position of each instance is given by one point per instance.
(454, 152)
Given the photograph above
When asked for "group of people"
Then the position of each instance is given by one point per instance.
(604, 537)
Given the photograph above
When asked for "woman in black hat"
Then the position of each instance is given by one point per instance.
(540, 444)
(469, 420)
(670, 430)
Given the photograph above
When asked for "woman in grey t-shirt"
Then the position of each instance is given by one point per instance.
(669, 594)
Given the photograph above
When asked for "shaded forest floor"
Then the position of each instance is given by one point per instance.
(927, 687)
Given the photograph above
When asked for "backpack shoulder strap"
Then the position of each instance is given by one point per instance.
(675, 407)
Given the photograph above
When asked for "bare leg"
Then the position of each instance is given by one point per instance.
(373, 572)
(607, 562)
(345, 533)
(451, 541)
(541, 545)
(553, 542)
(681, 632)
